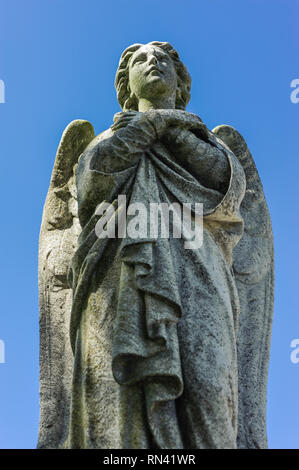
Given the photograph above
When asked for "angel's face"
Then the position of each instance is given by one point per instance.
(152, 75)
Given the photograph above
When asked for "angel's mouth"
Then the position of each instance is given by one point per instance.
(155, 70)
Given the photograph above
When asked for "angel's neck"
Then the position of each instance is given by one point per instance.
(164, 103)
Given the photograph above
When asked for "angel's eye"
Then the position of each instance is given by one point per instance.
(162, 58)
(139, 58)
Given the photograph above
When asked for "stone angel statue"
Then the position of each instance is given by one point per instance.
(144, 343)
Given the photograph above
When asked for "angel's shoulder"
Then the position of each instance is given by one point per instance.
(97, 139)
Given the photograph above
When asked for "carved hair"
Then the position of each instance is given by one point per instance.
(127, 100)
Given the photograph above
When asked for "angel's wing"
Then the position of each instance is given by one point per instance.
(253, 266)
(58, 239)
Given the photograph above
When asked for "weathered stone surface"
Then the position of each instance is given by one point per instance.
(254, 274)
(58, 240)
(171, 345)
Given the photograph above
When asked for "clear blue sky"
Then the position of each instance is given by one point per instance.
(58, 59)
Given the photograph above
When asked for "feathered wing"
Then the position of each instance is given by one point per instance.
(58, 239)
(253, 266)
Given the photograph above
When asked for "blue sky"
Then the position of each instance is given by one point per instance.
(58, 60)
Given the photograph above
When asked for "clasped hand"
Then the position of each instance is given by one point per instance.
(172, 118)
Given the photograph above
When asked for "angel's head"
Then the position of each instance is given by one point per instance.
(152, 72)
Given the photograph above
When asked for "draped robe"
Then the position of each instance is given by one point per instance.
(154, 325)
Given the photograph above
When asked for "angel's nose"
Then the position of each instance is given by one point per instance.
(153, 59)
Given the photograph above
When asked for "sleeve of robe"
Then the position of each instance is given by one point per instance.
(207, 163)
(124, 148)
(113, 155)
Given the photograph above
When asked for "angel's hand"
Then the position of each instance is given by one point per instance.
(180, 119)
(122, 119)
(166, 118)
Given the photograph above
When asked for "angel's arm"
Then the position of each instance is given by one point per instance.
(205, 161)
(123, 149)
